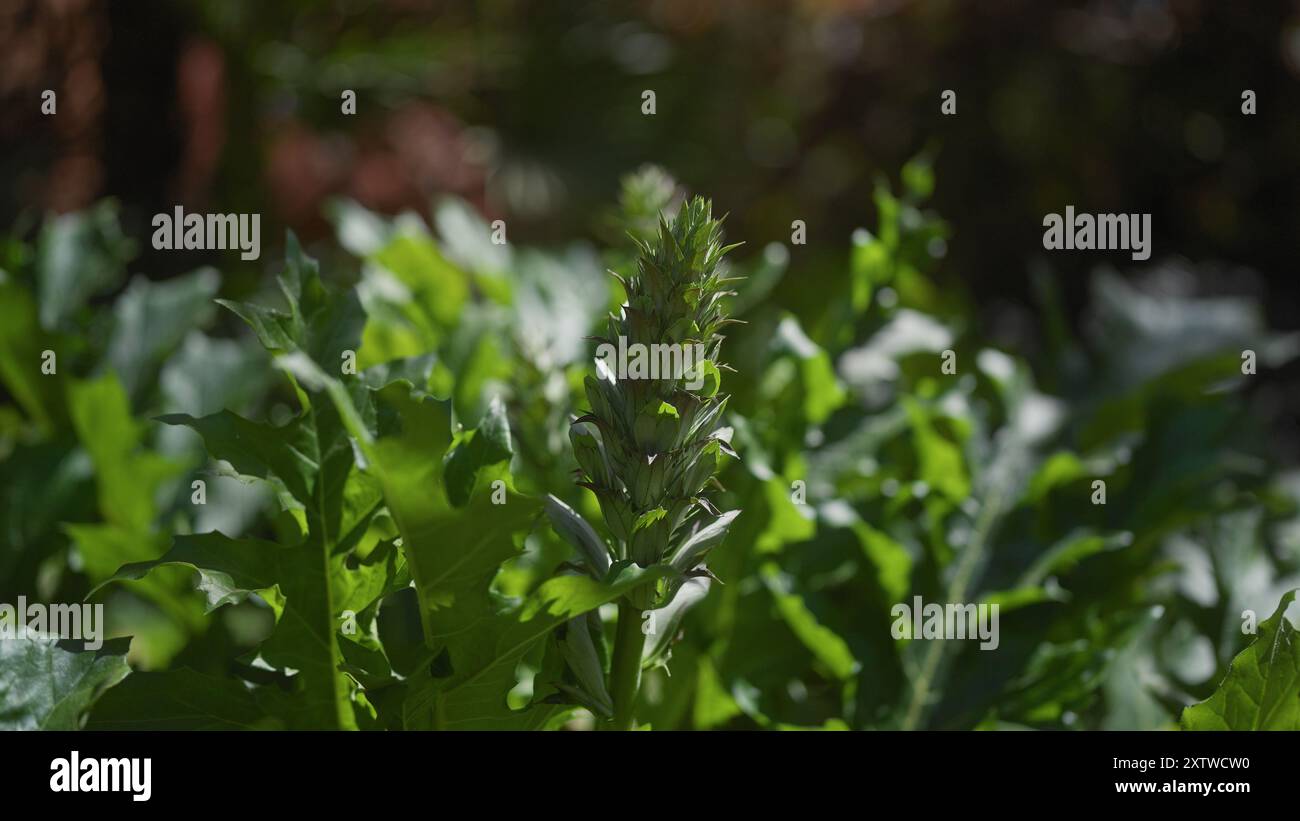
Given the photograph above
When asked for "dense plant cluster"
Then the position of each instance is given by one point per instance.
(401, 544)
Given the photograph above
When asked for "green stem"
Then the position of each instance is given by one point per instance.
(625, 668)
(971, 559)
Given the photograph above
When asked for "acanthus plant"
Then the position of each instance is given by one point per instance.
(394, 515)
(648, 449)
(394, 522)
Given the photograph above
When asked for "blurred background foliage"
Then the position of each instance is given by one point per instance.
(923, 236)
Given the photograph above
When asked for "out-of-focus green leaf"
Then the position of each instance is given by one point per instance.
(47, 684)
(469, 239)
(787, 522)
(941, 463)
(485, 446)
(126, 474)
(78, 255)
(481, 362)
(23, 342)
(556, 301)
(435, 285)
(869, 266)
(918, 176)
(1262, 688)
(152, 318)
(829, 648)
(206, 375)
(820, 390)
(360, 230)
(1060, 468)
(714, 706)
(877, 360)
(179, 700)
(891, 560)
(46, 481)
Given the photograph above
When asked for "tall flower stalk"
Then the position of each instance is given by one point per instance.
(650, 446)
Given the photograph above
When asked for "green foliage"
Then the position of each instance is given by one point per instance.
(90, 485)
(48, 685)
(1259, 692)
(402, 544)
(357, 463)
(883, 478)
(331, 504)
